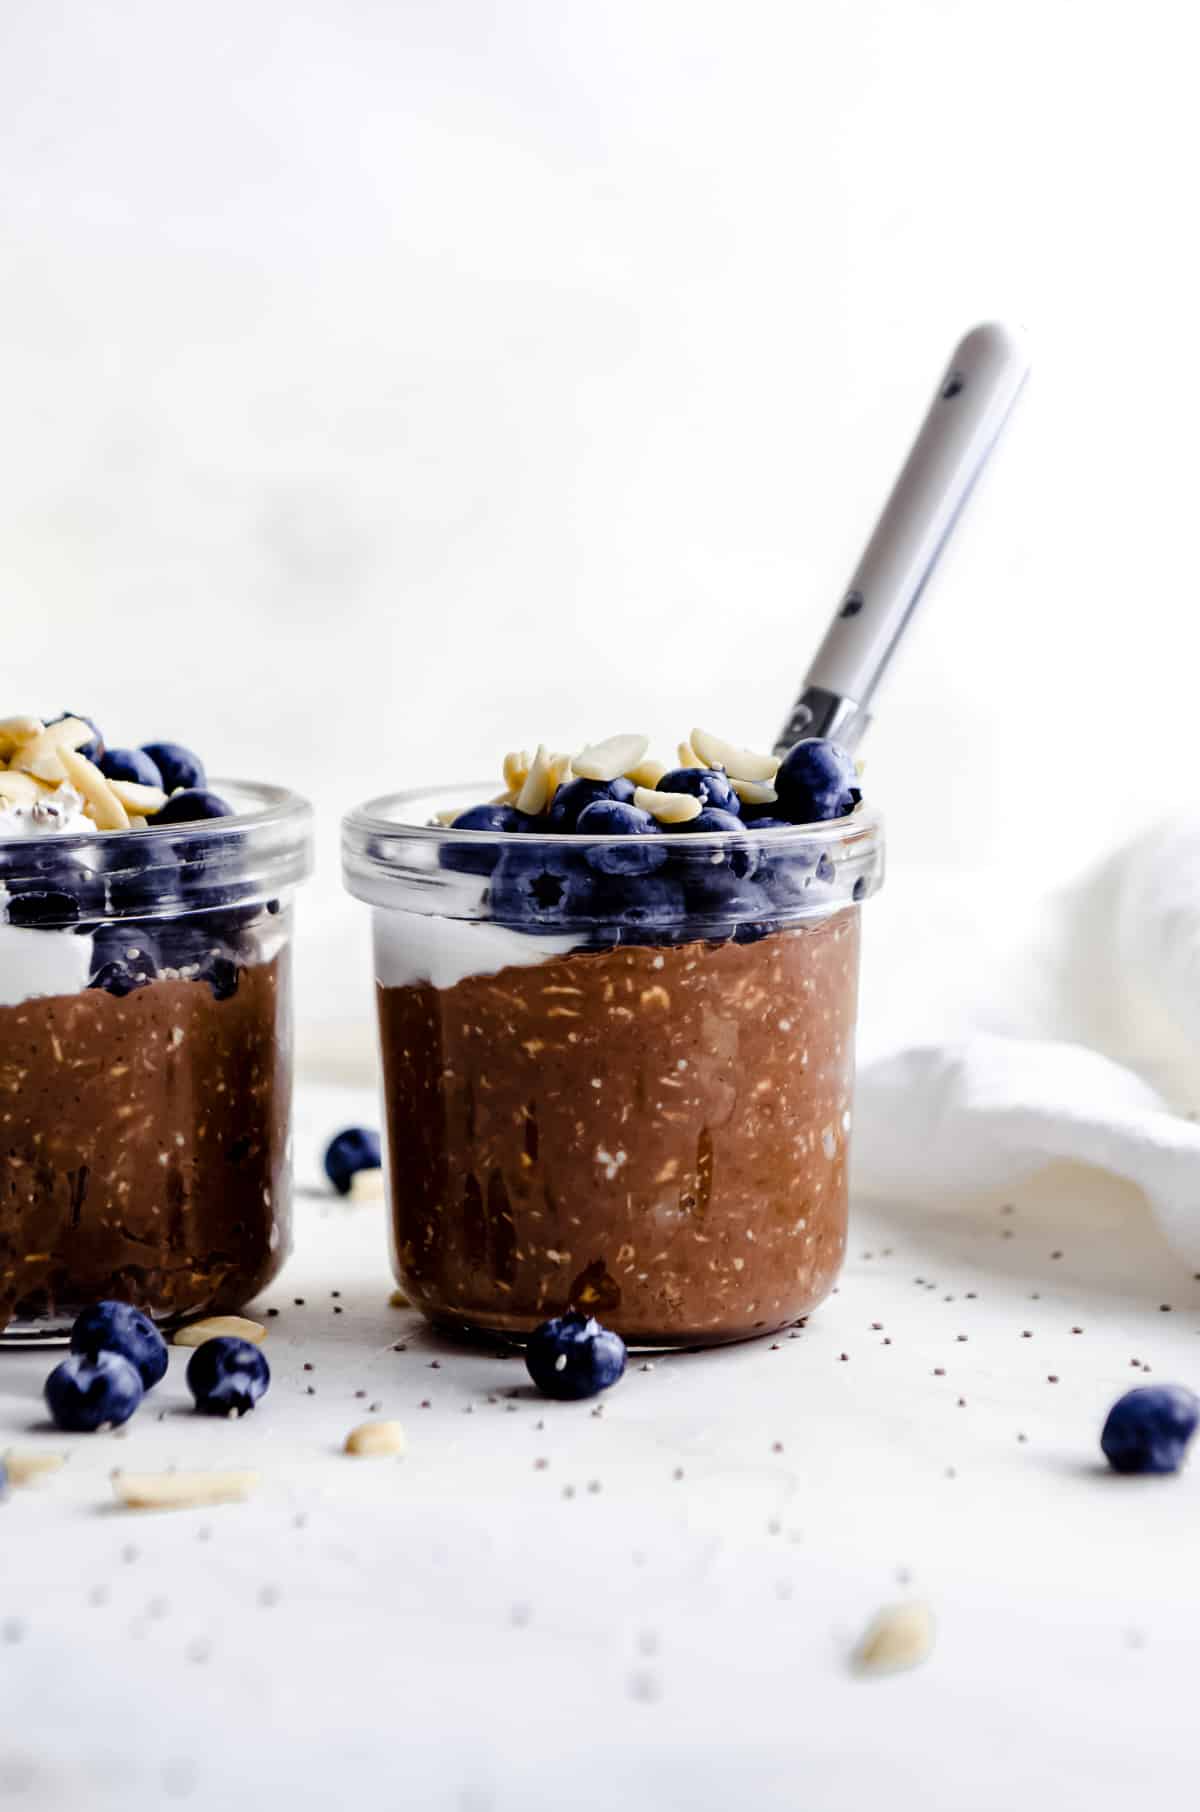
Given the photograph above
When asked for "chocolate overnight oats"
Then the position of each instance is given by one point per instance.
(617, 1018)
(145, 1028)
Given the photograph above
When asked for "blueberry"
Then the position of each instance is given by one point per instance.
(227, 1376)
(87, 1392)
(709, 785)
(124, 957)
(642, 909)
(191, 807)
(613, 818)
(177, 765)
(130, 764)
(465, 858)
(759, 817)
(1148, 1430)
(222, 973)
(40, 909)
(93, 749)
(355, 1149)
(116, 1327)
(573, 1356)
(542, 887)
(816, 781)
(572, 800)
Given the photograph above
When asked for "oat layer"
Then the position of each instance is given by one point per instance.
(143, 1147)
(656, 1134)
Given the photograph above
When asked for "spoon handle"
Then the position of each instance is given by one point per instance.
(974, 398)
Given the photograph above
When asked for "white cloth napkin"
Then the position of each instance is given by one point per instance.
(1001, 1030)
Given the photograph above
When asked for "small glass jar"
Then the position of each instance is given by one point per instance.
(617, 1071)
(146, 1063)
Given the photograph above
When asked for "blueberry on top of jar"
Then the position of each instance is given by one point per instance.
(192, 806)
(709, 785)
(615, 818)
(481, 859)
(817, 781)
(572, 1356)
(130, 764)
(117, 1327)
(573, 799)
(177, 765)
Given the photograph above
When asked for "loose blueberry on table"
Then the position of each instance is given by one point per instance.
(116, 1327)
(354, 1149)
(1148, 1429)
(227, 1376)
(85, 1393)
(572, 1357)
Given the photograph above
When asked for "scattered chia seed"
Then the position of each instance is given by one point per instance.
(939, 1371)
(1051, 1377)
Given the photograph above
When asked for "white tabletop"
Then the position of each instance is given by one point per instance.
(646, 1601)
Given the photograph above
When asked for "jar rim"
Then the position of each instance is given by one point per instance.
(389, 859)
(261, 850)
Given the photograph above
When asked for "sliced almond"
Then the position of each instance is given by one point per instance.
(366, 1185)
(688, 757)
(516, 769)
(561, 767)
(19, 789)
(668, 808)
(754, 792)
(136, 823)
(372, 1440)
(24, 1467)
(533, 795)
(41, 755)
(901, 1636)
(739, 764)
(647, 773)
(609, 760)
(137, 798)
(181, 1490)
(235, 1327)
(16, 730)
(107, 812)
(398, 1300)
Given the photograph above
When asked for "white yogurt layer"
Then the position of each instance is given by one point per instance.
(410, 948)
(40, 962)
(54, 814)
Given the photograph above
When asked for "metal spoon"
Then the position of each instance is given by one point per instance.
(974, 399)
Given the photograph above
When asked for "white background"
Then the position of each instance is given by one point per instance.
(389, 384)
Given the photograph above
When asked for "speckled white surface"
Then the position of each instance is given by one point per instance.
(650, 1607)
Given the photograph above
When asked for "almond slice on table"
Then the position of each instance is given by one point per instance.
(145, 800)
(181, 1490)
(609, 760)
(901, 1636)
(646, 773)
(24, 1467)
(739, 764)
(42, 754)
(366, 1185)
(667, 808)
(534, 793)
(375, 1440)
(234, 1327)
(107, 812)
(754, 792)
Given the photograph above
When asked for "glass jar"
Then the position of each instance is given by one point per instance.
(145, 1063)
(617, 1071)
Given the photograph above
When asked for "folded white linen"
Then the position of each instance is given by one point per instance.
(1002, 1030)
